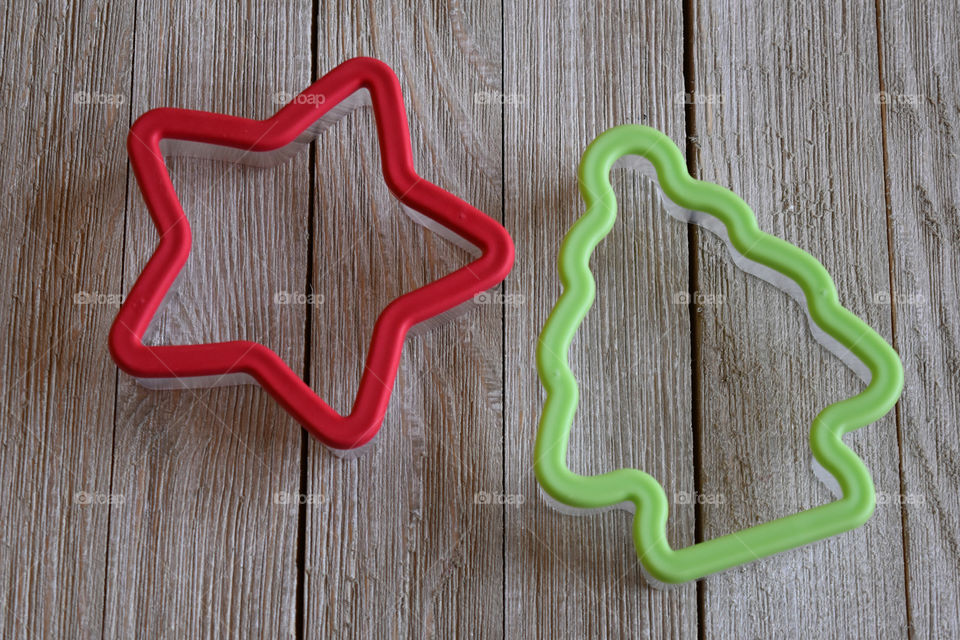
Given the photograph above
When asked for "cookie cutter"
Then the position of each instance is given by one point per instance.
(352, 84)
(786, 266)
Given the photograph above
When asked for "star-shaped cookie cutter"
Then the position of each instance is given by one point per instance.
(773, 259)
(267, 142)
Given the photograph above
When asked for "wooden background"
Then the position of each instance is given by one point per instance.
(135, 513)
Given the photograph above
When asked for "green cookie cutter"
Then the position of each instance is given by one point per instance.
(766, 256)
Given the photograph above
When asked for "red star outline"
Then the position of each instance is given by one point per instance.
(241, 356)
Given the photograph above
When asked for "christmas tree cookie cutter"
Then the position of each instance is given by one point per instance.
(354, 83)
(766, 256)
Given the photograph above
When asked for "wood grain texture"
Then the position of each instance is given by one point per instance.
(204, 544)
(396, 543)
(136, 513)
(921, 99)
(786, 118)
(577, 69)
(62, 220)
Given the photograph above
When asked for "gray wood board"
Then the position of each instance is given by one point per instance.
(921, 101)
(397, 543)
(576, 70)
(786, 117)
(204, 543)
(62, 224)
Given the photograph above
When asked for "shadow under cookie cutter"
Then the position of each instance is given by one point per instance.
(786, 266)
(267, 142)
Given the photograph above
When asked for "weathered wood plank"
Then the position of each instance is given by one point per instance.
(61, 223)
(786, 117)
(578, 69)
(202, 546)
(921, 56)
(396, 544)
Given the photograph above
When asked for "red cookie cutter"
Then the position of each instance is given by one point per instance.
(267, 142)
